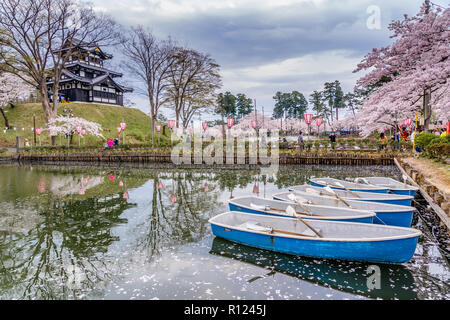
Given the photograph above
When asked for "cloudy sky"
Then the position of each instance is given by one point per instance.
(266, 46)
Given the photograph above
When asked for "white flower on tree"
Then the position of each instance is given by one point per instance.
(68, 125)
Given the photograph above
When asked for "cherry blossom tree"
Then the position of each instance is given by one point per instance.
(405, 74)
(69, 125)
(12, 89)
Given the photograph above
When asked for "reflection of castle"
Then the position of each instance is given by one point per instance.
(86, 80)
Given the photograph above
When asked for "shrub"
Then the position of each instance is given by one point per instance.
(423, 139)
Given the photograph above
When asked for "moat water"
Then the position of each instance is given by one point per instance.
(111, 232)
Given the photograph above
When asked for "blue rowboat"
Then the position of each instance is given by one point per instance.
(346, 185)
(339, 240)
(257, 205)
(395, 187)
(389, 214)
(398, 199)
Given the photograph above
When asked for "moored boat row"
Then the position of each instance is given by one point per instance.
(332, 219)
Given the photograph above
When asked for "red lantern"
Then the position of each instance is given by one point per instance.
(230, 122)
(38, 131)
(123, 125)
(254, 124)
(308, 118)
(319, 122)
(204, 125)
(158, 128)
(171, 123)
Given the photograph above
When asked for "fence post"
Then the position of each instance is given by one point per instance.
(17, 144)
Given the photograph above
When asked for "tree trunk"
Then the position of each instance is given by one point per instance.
(426, 110)
(47, 108)
(4, 116)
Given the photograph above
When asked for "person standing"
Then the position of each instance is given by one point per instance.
(301, 141)
(332, 139)
(382, 144)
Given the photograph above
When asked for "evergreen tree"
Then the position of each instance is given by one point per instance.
(244, 105)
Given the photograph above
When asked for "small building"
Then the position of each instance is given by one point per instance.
(84, 78)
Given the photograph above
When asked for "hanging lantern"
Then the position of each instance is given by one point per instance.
(319, 122)
(173, 198)
(230, 122)
(171, 123)
(308, 118)
(205, 125)
(123, 126)
(38, 131)
(158, 128)
(254, 124)
(83, 132)
(408, 122)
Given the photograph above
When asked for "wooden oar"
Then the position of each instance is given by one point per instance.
(303, 207)
(292, 233)
(291, 211)
(347, 189)
(338, 196)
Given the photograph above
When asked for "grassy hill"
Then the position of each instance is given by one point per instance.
(21, 116)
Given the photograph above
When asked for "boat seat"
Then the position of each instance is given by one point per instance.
(255, 226)
(309, 232)
(259, 207)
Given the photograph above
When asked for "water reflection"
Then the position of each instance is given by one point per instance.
(77, 232)
(344, 276)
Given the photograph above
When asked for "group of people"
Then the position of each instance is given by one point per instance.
(111, 143)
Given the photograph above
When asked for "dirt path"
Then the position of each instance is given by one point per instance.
(438, 174)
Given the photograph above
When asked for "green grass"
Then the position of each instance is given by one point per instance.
(138, 129)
